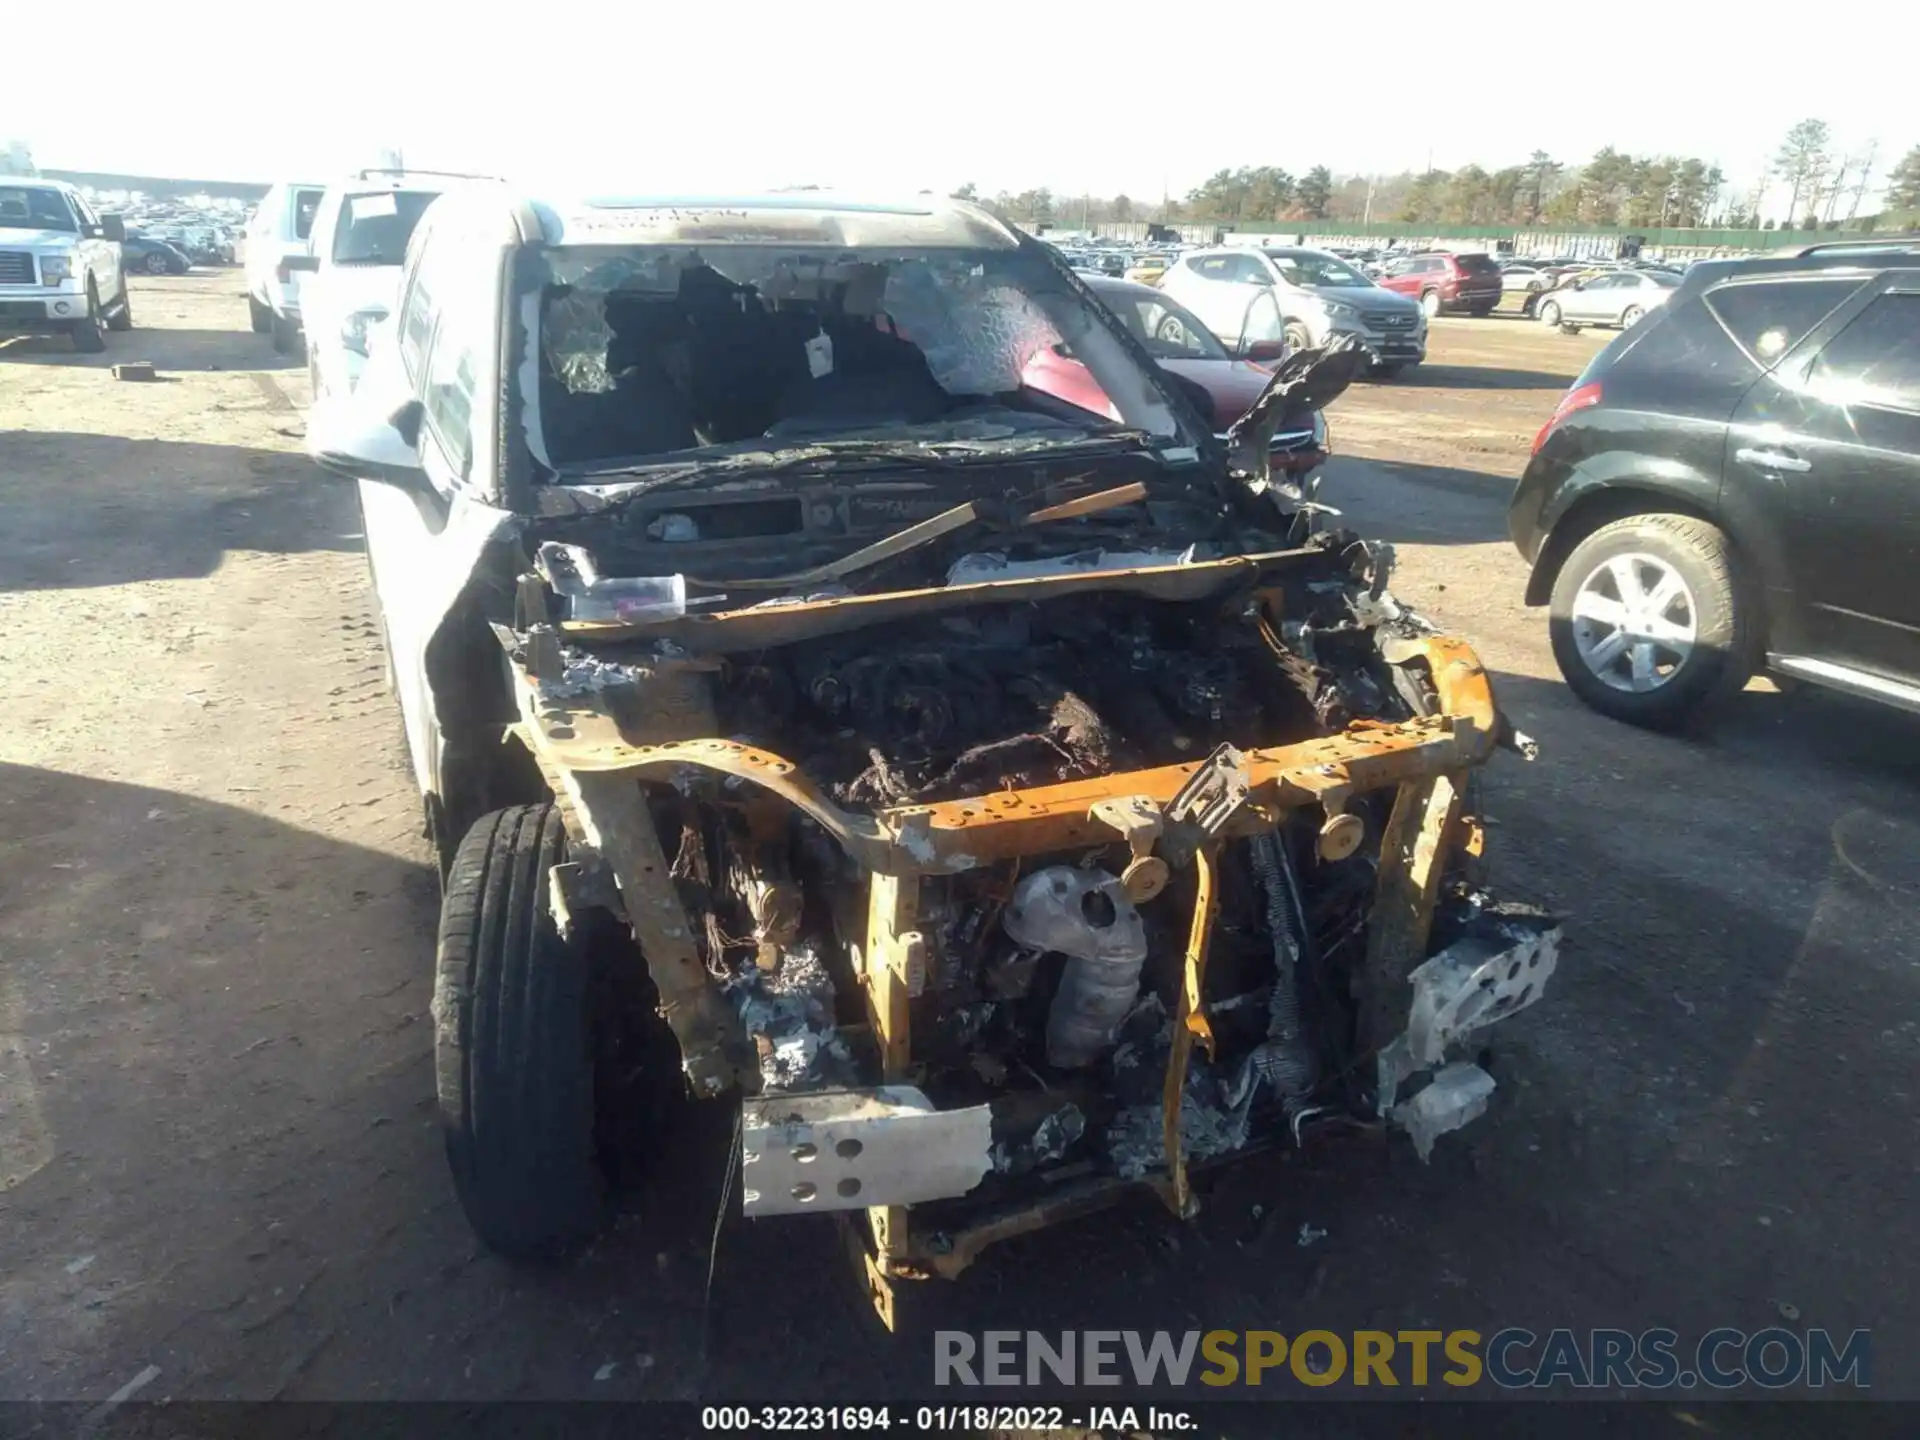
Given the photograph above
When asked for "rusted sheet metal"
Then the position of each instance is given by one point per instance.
(614, 820)
(1094, 504)
(1412, 858)
(579, 734)
(754, 629)
(606, 816)
(1190, 1024)
(893, 950)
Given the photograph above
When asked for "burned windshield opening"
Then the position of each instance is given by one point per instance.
(663, 351)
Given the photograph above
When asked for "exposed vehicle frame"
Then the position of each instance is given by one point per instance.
(645, 794)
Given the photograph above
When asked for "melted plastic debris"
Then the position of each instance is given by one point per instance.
(1499, 967)
(1051, 1139)
(585, 673)
(1136, 1143)
(788, 1014)
(1457, 1095)
(990, 565)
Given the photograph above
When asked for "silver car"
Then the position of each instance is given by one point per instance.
(1304, 297)
(1619, 298)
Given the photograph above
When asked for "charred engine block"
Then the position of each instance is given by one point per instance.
(1036, 694)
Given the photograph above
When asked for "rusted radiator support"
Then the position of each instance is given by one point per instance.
(1413, 853)
(607, 814)
(1190, 1024)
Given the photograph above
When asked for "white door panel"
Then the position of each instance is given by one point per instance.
(418, 575)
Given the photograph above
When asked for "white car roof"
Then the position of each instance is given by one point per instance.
(377, 181)
(613, 217)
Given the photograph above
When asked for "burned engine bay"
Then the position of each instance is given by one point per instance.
(998, 879)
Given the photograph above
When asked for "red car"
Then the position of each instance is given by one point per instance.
(1445, 281)
(1175, 338)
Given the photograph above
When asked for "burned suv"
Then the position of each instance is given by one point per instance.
(1000, 803)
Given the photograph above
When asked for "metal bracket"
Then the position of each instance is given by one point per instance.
(1216, 792)
(1137, 819)
(855, 1149)
(581, 884)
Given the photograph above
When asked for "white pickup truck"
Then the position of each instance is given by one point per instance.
(60, 271)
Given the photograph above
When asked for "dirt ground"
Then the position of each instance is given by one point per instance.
(218, 1152)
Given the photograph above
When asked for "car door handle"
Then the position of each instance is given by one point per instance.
(1773, 460)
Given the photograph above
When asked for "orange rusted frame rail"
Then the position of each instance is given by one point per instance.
(958, 835)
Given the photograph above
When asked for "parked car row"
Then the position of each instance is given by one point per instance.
(323, 263)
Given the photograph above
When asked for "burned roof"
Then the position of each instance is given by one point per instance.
(802, 217)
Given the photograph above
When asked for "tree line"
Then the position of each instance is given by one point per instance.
(1826, 188)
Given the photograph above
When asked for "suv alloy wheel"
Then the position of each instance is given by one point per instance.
(1648, 622)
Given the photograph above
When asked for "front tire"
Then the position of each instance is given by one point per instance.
(1430, 304)
(158, 264)
(89, 337)
(260, 316)
(1550, 314)
(1297, 336)
(514, 1044)
(1631, 317)
(122, 317)
(286, 337)
(1650, 622)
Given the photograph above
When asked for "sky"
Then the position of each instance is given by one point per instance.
(1099, 98)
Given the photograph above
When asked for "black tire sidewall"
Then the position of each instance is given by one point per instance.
(514, 1049)
(1719, 659)
(89, 335)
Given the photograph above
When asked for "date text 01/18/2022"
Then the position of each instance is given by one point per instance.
(935, 1419)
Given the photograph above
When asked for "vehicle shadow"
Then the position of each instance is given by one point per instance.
(214, 1081)
(1404, 503)
(168, 348)
(86, 510)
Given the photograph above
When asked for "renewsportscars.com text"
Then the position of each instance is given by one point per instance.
(1510, 1358)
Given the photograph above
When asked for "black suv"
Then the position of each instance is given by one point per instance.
(1735, 481)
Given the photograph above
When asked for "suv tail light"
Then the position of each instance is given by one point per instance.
(1581, 397)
